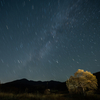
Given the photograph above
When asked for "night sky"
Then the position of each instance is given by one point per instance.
(48, 39)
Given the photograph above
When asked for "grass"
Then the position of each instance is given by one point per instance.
(29, 96)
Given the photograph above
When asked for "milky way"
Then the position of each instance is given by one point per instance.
(48, 39)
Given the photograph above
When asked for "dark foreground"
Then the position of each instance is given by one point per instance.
(28, 96)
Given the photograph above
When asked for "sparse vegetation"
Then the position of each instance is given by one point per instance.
(29, 96)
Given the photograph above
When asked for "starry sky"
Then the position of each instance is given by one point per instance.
(48, 39)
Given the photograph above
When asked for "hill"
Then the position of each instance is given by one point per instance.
(24, 85)
(29, 86)
(97, 74)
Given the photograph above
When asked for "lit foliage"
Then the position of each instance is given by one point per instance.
(82, 81)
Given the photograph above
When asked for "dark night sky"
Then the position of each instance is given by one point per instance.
(48, 39)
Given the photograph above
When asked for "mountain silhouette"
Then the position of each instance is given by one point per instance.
(97, 74)
(30, 86)
(22, 85)
(26, 82)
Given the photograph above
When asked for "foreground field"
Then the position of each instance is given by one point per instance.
(26, 96)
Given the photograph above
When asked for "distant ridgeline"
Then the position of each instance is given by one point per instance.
(97, 74)
(23, 85)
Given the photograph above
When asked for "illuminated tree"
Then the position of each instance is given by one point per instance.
(82, 81)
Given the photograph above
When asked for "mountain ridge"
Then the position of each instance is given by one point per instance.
(21, 85)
